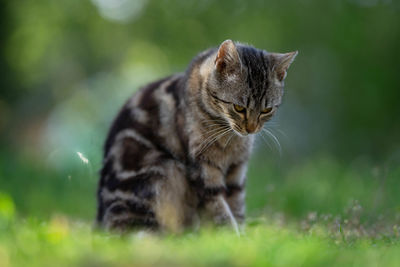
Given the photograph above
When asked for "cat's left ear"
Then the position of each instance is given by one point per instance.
(282, 63)
(227, 59)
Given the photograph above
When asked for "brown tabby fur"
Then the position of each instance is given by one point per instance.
(179, 147)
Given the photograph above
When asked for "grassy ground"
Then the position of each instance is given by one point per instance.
(317, 212)
(62, 242)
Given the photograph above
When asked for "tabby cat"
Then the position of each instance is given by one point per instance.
(179, 147)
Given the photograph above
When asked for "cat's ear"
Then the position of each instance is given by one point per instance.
(227, 59)
(282, 62)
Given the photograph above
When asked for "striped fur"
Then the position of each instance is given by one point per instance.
(179, 147)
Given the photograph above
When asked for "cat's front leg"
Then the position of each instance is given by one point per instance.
(211, 189)
(235, 190)
(221, 212)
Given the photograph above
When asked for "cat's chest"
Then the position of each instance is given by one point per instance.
(231, 151)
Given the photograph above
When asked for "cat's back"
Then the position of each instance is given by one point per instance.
(153, 113)
(144, 145)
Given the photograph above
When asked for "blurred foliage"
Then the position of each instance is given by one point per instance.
(342, 91)
(67, 66)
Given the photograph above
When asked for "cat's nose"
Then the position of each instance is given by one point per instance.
(251, 127)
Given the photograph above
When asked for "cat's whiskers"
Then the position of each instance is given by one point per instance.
(265, 140)
(282, 133)
(214, 137)
(211, 123)
(216, 124)
(208, 133)
(214, 120)
(229, 139)
(211, 134)
(272, 123)
(274, 126)
(278, 144)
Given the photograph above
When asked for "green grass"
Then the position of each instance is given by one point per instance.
(318, 212)
(62, 242)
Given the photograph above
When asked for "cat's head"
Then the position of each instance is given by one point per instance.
(246, 85)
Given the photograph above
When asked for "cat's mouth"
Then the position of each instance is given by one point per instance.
(243, 132)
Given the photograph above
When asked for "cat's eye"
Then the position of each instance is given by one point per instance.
(239, 108)
(266, 110)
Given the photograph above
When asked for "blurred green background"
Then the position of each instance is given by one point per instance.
(67, 66)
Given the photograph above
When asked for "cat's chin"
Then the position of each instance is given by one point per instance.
(245, 134)
(240, 134)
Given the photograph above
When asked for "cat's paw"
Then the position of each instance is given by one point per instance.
(227, 220)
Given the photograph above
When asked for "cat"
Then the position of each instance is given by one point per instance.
(179, 147)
